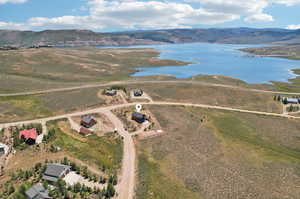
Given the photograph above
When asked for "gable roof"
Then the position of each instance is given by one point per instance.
(87, 119)
(28, 134)
(54, 171)
(85, 131)
(37, 192)
(138, 115)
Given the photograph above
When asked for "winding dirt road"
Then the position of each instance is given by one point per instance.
(125, 189)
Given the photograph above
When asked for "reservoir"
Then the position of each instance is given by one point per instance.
(220, 59)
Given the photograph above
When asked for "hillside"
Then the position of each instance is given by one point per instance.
(90, 38)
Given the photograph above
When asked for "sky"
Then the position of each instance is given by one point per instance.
(123, 15)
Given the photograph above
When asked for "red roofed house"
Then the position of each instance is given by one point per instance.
(29, 136)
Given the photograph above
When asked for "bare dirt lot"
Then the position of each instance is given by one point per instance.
(219, 155)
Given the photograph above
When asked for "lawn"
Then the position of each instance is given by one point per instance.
(217, 154)
(102, 152)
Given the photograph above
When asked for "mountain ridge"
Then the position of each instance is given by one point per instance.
(77, 37)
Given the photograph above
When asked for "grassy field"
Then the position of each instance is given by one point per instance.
(211, 95)
(214, 154)
(45, 105)
(34, 69)
(102, 152)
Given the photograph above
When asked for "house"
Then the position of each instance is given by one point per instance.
(292, 100)
(85, 132)
(37, 192)
(138, 93)
(138, 117)
(55, 171)
(87, 121)
(110, 92)
(3, 149)
(29, 136)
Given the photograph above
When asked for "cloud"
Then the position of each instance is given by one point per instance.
(12, 1)
(252, 10)
(130, 14)
(293, 27)
(259, 18)
(154, 14)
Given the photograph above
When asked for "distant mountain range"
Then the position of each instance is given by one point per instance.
(90, 38)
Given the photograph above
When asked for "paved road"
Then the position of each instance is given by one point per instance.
(142, 82)
(127, 183)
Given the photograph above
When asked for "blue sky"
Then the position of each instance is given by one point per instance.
(117, 15)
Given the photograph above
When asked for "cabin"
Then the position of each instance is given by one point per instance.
(87, 121)
(85, 132)
(29, 136)
(55, 171)
(110, 92)
(37, 192)
(138, 117)
(138, 93)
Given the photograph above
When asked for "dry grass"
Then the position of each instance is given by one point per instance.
(33, 69)
(211, 95)
(221, 155)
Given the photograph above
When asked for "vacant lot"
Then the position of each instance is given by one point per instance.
(211, 95)
(33, 69)
(39, 106)
(220, 155)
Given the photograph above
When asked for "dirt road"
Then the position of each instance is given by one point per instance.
(126, 186)
(142, 82)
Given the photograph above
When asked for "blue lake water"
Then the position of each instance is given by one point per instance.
(220, 59)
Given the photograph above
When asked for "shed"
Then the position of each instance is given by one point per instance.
(37, 192)
(55, 171)
(138, 117)
(85, 132)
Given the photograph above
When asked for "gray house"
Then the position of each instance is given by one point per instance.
(292, 100)
(138, 93)
(37, 192)
(138, 117)
(110, 92)
(55, 171)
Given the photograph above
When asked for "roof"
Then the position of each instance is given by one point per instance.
(54, 171)
(4, 148)
(29, 134)
(85, 131)
(87, 119)
(38, 192)
(138, 115)
(293, 100)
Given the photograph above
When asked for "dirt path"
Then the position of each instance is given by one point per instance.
(126, 186)
(142, 82)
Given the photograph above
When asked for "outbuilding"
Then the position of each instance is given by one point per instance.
(85, 132)
(138, 117)
(54, 171)
(3, 149)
